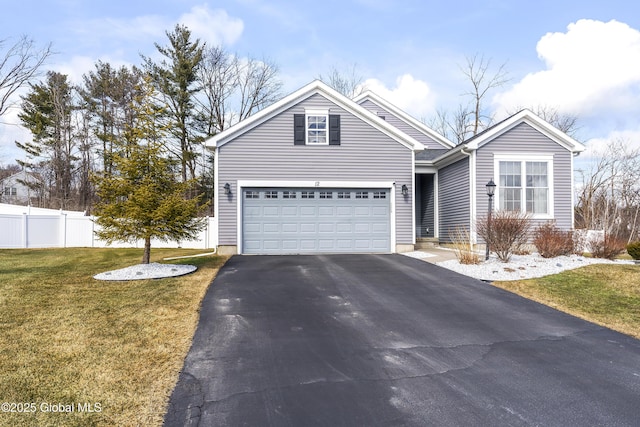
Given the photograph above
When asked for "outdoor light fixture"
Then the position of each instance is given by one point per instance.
(491, 189)
(227, 188)
(405, 190)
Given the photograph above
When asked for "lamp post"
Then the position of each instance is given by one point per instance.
(491, 188)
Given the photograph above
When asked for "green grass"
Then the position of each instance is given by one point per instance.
(69, 339)
(606, 294)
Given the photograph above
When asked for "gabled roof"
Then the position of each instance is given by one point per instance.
(402, 115)
(489, 134)
(528, 117)
(313, 88)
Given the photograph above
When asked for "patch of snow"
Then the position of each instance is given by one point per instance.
(152, 270)
(523, 266)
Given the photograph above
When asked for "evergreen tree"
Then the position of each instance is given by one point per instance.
(142, 199)
(176, 79)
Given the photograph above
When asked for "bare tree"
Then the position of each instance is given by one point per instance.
(567, 123)
(477, 71)
(349, 83)
(233, 88)
(258, 85)
(609, 196)
(19, 64)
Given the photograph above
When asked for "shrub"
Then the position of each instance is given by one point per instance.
(463, 247)
(607, 247)
(550, 241)
(506, 233)
(633, 249)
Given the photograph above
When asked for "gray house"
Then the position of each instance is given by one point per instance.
(317, 172)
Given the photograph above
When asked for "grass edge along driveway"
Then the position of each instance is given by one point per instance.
(605, 294)
(81, 352)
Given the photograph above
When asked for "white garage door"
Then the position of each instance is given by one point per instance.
(315, 220)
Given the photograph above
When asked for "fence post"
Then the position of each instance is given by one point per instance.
(25, 233)
(63, 228)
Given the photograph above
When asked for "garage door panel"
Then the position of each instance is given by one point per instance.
(290, 227)
(271, 228)
(293, 220)
(289, 211)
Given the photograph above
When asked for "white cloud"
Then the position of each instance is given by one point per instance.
(411, 95)
(598, 146)
(593, 67)
(214, 27)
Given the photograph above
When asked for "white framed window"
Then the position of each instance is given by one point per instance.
(524, 184)
(250, 194)
(326, 195)
(362, 194)
(317, 127)
(288, 194)
(379, 194)
(344, 195)
(270, 194)
(307, 194)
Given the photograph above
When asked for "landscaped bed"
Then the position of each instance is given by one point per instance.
(77, 351)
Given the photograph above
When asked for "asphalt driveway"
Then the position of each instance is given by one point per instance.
(387, 340)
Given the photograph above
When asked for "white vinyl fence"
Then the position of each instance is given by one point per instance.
(46, 228)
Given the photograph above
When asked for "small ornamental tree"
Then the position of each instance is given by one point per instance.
(506, 232)
(142, 198)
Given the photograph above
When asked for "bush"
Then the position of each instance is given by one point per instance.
(506, 233)
(607, 247)
(633, 249)
(550, 241)
(463, 247)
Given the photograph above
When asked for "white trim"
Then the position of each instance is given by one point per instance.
(436, 207)
(413, 201)
(526, 116)
(573, 197)
(386, 185)
(523, 158)
(402, 115)
(216, 198)
(315, 87)
(472, 197)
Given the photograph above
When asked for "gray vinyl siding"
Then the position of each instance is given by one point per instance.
(454, 204)
(525, 139)
(402, 125)
(267, 152)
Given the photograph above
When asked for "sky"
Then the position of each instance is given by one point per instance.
(581, 57)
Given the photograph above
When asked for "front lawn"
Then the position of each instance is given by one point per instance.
(606, 294)
(82, 352)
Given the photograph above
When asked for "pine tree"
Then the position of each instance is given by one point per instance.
(142, 198)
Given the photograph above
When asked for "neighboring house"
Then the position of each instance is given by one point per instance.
(14, 190)
(317, 172)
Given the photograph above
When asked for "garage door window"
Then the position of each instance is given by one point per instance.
(307, 195)
(362, 194)
(288, 194)
(270, 194)
(326, 195)
(379, 194)
(251, 195)
(344, 194)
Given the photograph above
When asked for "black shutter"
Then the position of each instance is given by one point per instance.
(334, 129)
(298, 129)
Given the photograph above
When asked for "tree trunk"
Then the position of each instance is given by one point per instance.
(147, 250)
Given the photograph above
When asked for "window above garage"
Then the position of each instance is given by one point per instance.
(316, 127)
